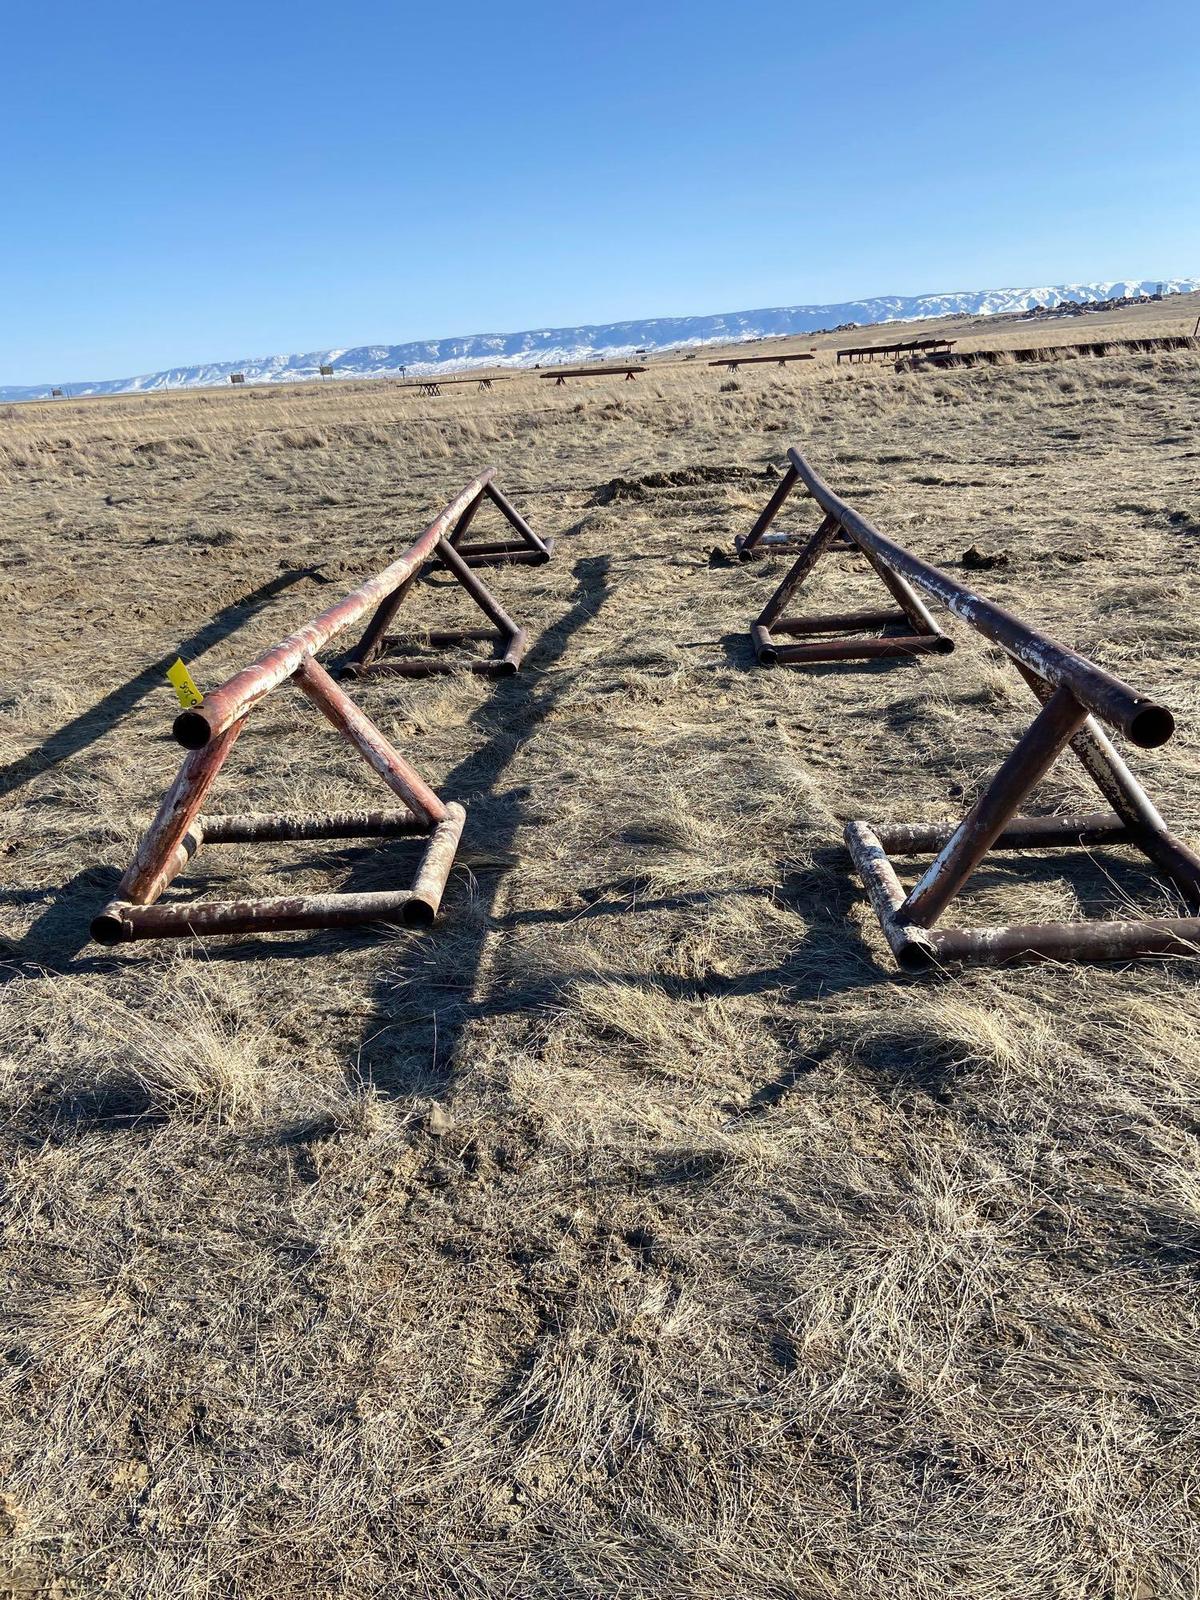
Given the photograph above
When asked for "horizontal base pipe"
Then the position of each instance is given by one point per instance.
(438, 666)
(838, 622)
(918, 949)
(1069, 941)
(910, 644)
(122, 923)
(1023, 833)
(270, 827)
(485, 555)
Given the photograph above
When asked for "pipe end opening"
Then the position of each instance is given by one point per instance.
(418, 914)
(1152, 725)
(108, 928)
(191, 729)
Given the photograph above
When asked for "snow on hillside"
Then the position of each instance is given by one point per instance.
(551, 346)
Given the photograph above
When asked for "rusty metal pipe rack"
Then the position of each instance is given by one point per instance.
(1075, 695)
(752, 361)
(594, 372)
(209, 731)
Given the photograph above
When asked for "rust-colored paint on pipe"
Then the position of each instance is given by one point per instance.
(1022, 833)
(747, 546)
(430, 882)
(198, 726)
(1035, 752)
(362, 733)
(1141, 719)
(866, 648)
(838, 622)
(274, 827)
(153, 866)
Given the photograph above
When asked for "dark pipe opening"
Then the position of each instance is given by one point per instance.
(107, 929)
(1151, 726)
(418, 914)
(191, 729)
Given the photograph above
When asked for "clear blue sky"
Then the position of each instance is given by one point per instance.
(189, 182)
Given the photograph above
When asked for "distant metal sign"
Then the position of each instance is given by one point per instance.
(56, 394)
(237, 377)
(326, 372)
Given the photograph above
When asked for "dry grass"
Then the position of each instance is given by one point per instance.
(637, 1233)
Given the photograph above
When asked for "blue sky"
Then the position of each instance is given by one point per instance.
(196, 182)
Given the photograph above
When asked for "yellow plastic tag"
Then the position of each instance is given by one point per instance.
(184, 686)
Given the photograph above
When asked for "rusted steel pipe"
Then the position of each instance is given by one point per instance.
(911, 947)
(154, 865)
(106, 922)
(1022, 833)
(505, 506)
(800, 569)
(482, 596)
(906, 598)
(1035, 752)
(273, 827)
(838, 622)
(770, 511)
(1143, 720)
(362, 733)
(917, 949)
(869, 647)
(458, 533)
(417, 907)
(198, 726)
(1069, 941)
(591, 372)
(430, 882)
(1108, 771)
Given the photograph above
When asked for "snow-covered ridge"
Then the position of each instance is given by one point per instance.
(550, 346)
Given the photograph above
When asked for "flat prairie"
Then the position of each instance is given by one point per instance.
(638, 1231)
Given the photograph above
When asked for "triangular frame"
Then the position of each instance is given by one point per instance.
(178, 832)
(526, 547)
(907, 917)
(375, 651)
(921, 635)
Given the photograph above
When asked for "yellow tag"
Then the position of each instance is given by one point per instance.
(183, 685)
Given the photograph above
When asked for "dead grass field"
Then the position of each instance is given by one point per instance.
(637, 1233)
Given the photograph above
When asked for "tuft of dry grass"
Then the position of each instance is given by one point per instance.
(639, 1232)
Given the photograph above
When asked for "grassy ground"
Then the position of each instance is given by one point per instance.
(638, 1232)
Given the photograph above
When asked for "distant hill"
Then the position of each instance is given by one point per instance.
(550, 346)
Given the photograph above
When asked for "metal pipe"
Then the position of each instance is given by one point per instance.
(515, 519)
(1075, 941)
(479, 592)
(276, 914)
(799, 570)
(458, 533)
(154, 864)
(1034, 753)
(272, 827)
(1024, 833)
(105, 925)
(1129, 800)
(502, 553)
(198, 726)
(769, 512)
(430, 882)
(910, 946)
(866, 648)
(906, 597)
(838, 622)
(1144, 721)
(362, 733)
